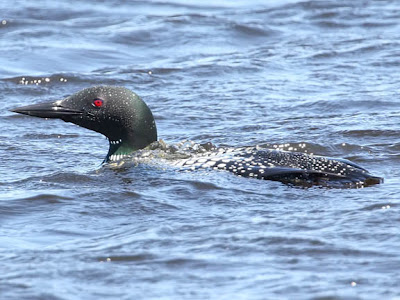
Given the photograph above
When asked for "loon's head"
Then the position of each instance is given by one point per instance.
(115, 112)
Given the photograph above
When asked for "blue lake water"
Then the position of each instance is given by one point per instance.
(323, 73)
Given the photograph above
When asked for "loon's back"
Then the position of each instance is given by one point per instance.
(288, 167)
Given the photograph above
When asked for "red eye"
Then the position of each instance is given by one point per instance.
(97, 102)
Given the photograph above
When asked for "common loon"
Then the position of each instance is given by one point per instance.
(129, 125)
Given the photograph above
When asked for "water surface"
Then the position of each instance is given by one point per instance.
(323, 73)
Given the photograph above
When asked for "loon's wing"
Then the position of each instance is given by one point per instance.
(347, 162)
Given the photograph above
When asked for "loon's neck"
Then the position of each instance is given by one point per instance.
(118, 149)
(123, 147)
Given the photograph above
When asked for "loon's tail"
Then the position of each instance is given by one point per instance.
(371, 180)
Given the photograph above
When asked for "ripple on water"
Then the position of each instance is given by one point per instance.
(309, 76)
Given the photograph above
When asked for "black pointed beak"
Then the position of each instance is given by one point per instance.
(53, 110)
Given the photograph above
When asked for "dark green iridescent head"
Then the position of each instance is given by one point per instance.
(115, 112)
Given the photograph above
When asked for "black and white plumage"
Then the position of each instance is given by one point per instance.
(128, 123)
(289, 167)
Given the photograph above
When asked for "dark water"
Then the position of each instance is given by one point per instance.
(323, 73)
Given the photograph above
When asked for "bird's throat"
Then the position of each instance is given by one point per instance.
(119, 149)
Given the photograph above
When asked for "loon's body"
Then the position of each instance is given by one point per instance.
(288, 167)
(128, 123)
